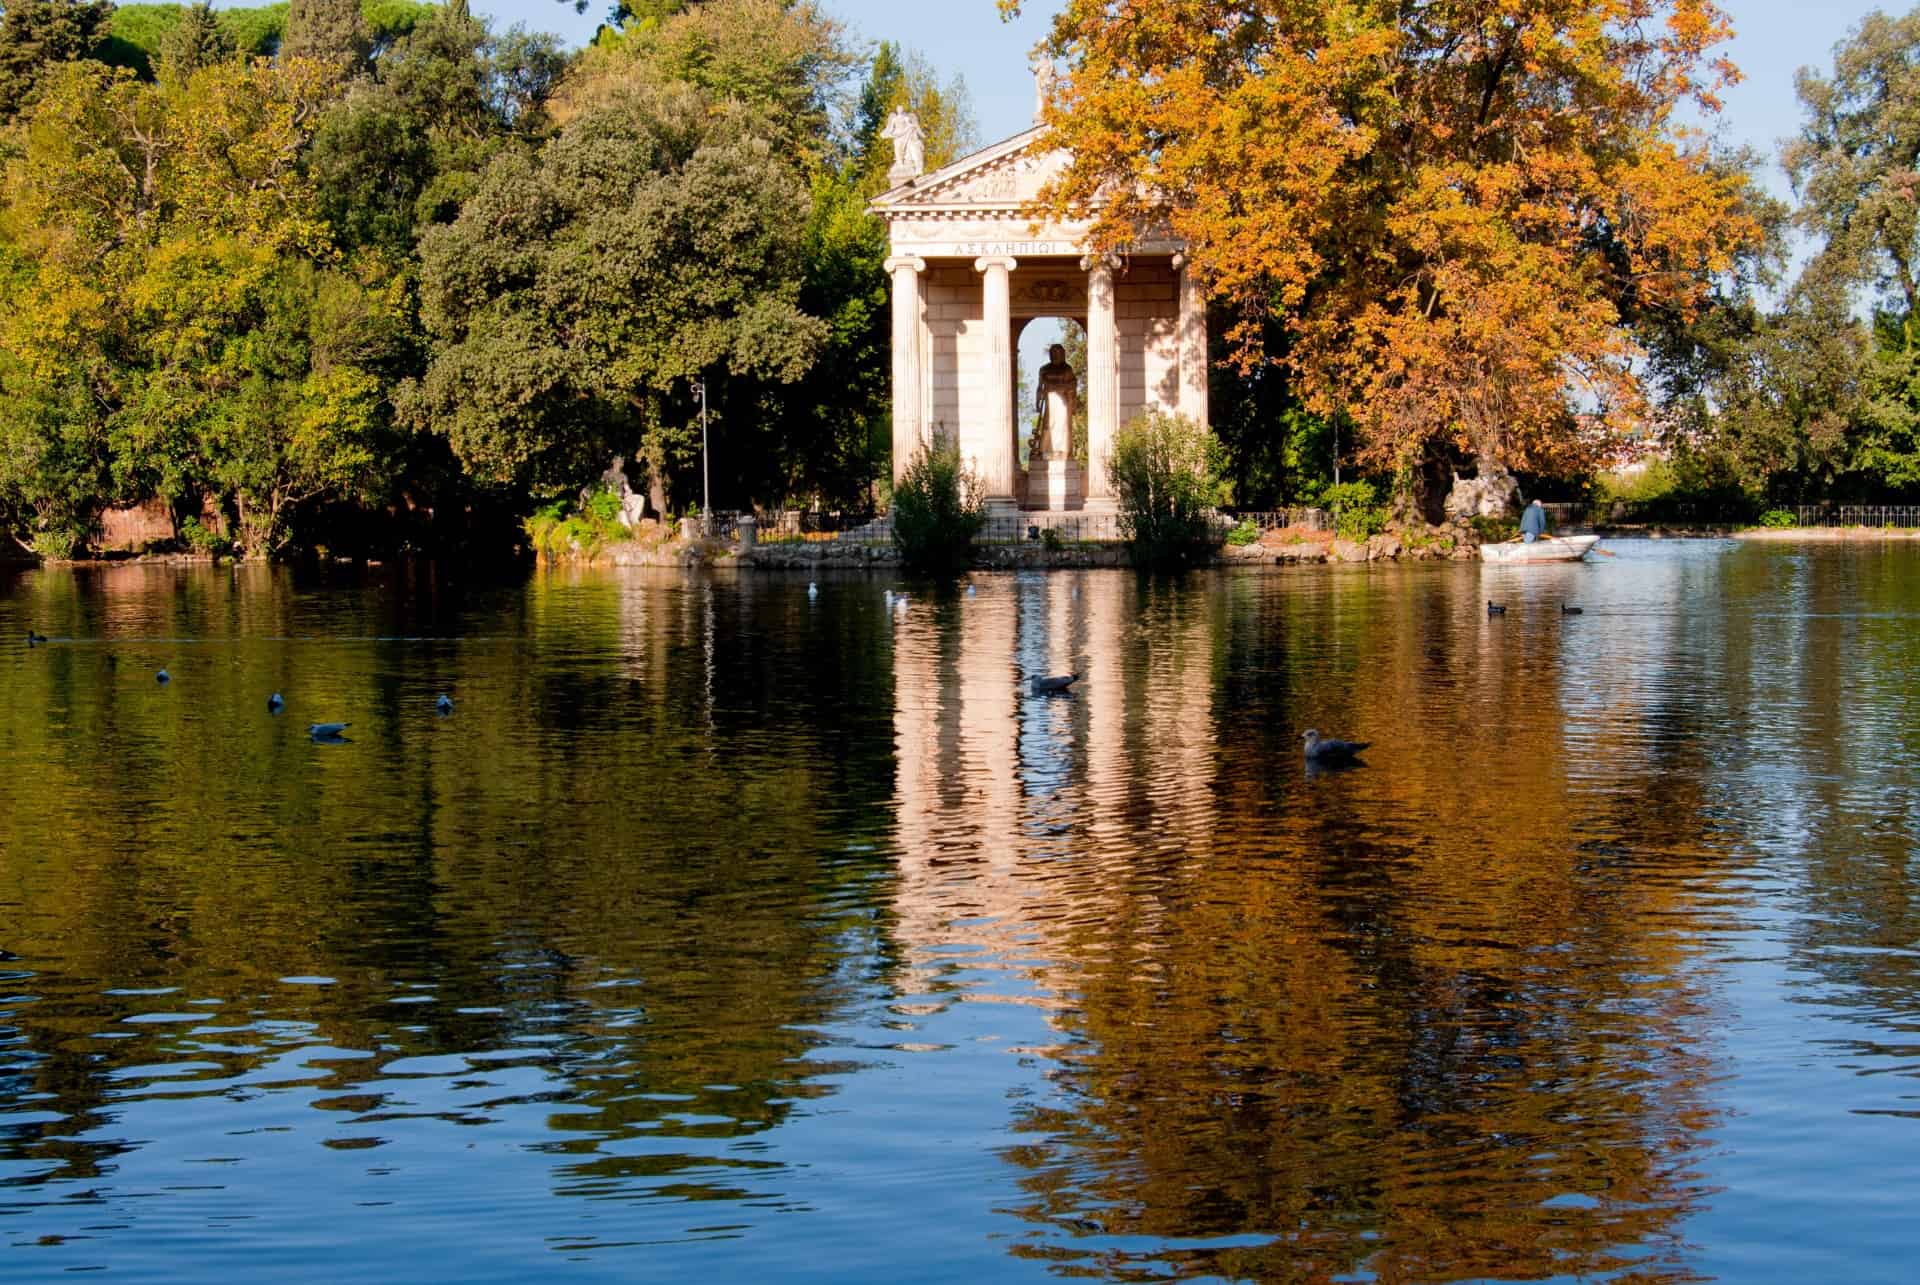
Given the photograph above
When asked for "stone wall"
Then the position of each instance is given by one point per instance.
(132, 529)
(1146, 304)
(956, 347)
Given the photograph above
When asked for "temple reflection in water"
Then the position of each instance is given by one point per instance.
(1396, 1021)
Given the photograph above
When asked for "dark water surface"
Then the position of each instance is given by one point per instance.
(728, 934)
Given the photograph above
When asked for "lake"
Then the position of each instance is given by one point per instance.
(725, 932)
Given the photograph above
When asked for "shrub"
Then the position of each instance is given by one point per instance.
(1166, 474)
(937, 510)
(1496, 530)
(1778, 518)
(56, 544)
(202, 538)
(1356, 508)
(1244, 533)
(556, 531)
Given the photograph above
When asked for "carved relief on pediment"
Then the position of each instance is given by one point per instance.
(1017, 180)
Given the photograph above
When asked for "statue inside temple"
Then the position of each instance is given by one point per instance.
(1054, 400)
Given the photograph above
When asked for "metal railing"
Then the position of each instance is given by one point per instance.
(1311, 519)
(1724, 513)
(1064, 528)
(1880, 515)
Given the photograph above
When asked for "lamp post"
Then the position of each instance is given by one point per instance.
(706, 495)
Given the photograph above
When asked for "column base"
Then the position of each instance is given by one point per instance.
(999, 506)
(1101, 504)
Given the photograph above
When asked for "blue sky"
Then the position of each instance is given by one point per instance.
(1774, 38)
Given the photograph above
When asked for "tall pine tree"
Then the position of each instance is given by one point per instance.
(37, 34)
(330, 31)
(194, 42)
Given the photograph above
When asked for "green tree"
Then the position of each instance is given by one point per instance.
(334, 32)
(195, 42)
(173, 265)
(36, 35)
(1854, 168)
(408, 148)
(583, 290)
(837, 438)
(1853, 165)
(787, 60)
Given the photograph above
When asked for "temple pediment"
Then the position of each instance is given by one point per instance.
(1005, 179)
(989, 203)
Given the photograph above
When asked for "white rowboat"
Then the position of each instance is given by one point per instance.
(1548, 548)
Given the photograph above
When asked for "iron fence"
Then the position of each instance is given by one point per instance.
(1725, 513)
(1880, 515)
(1311, 519)
(1010, 528)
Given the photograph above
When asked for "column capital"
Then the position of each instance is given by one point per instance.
(1100, 263)
(1179, 260)
(991, 261)
(900, 261)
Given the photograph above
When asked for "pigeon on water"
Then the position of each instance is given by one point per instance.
(445, 704)
(1052, 684)
(326, 731)
(1327, 749)
(163, 677)
(1495, 609)
(275, 704)
(34, 640)
(1565, 610)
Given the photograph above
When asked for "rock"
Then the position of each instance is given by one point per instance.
(1383, 547)
(1346, 551)
(1493, 495)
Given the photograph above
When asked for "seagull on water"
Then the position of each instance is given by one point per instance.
(971, 591)
(275, 703)
(327, 731)
(1328, 749)
(813, 591)
(445, 704)
(1052, 684)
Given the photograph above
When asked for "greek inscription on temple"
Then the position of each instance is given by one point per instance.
(986, 249)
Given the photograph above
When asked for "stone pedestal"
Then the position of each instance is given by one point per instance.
(1055, 484)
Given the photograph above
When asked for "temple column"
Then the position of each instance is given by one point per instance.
(998, 458)
(1103, 381)
(908, 365)
(1193, 344)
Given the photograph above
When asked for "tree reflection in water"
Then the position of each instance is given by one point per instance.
(1431, 1020)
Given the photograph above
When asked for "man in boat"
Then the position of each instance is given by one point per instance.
(1533, 523)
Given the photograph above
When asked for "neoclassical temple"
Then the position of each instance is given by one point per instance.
(973, 263)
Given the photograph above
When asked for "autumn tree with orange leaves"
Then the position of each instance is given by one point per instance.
(1456, 211)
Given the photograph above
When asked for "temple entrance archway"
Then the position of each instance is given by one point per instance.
(1050, 411)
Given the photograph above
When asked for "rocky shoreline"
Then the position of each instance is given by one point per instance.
(1292, 546)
